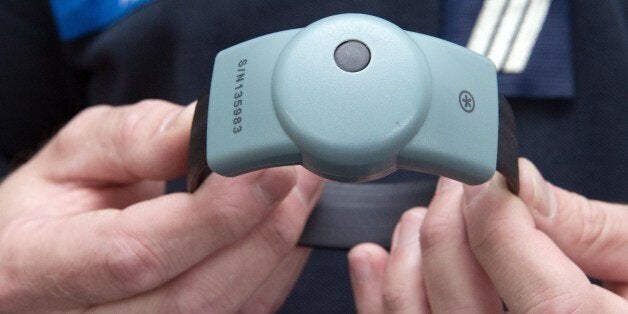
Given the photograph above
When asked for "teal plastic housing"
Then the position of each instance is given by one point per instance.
(281, 99)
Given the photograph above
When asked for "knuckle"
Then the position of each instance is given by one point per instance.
(135, 125)
(189, 301)
(435, 233)
(495, 236)
(280, 235)
(229, 221)
(548, 302)
(593, 226)
(582, 227)
(131, 125)
(150, 103)
(231, 216)
(74, 132)
(396, 298)
(131, 266)
(90, 113)
(138, 121)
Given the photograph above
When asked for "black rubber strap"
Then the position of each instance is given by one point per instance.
(348, 214)
(507, 146)
(351, 213)
(198, 169)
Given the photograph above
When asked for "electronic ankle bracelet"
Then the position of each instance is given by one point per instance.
(353, 98)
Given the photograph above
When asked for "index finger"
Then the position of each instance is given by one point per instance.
(529, 271)
(123, 252)
(591, 233)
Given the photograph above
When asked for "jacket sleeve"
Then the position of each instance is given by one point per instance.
(38, 90)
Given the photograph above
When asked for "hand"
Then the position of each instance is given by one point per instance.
(84, 224)
(475, 244)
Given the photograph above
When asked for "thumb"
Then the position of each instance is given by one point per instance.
(591, 233)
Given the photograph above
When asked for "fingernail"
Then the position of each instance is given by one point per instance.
(168, 120)
(395, 237)
(471, 192)
(543, 199)
(361, 270)
(176, 117)
(410, 226)
(309, 185)
(275, 183)
(446, 184)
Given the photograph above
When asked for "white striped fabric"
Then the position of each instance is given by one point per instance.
(506, 31)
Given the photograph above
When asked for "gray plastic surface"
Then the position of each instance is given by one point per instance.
(421, 103)
(261, 141)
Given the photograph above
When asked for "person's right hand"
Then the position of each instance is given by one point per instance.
(84, 225)
(475, 245)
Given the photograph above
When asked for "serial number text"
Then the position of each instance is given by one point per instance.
(238, 94)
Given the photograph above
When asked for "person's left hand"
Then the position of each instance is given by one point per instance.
(477, 244)
(85, 227)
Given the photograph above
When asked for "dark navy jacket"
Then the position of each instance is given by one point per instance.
(165, 49)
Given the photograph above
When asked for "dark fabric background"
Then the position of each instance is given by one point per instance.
(37, 91)
(166, 49)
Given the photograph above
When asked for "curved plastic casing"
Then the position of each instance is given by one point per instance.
(420, 103)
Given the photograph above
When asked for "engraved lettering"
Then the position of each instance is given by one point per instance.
(238, 102)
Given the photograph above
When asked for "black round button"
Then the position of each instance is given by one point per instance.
(352, 56)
